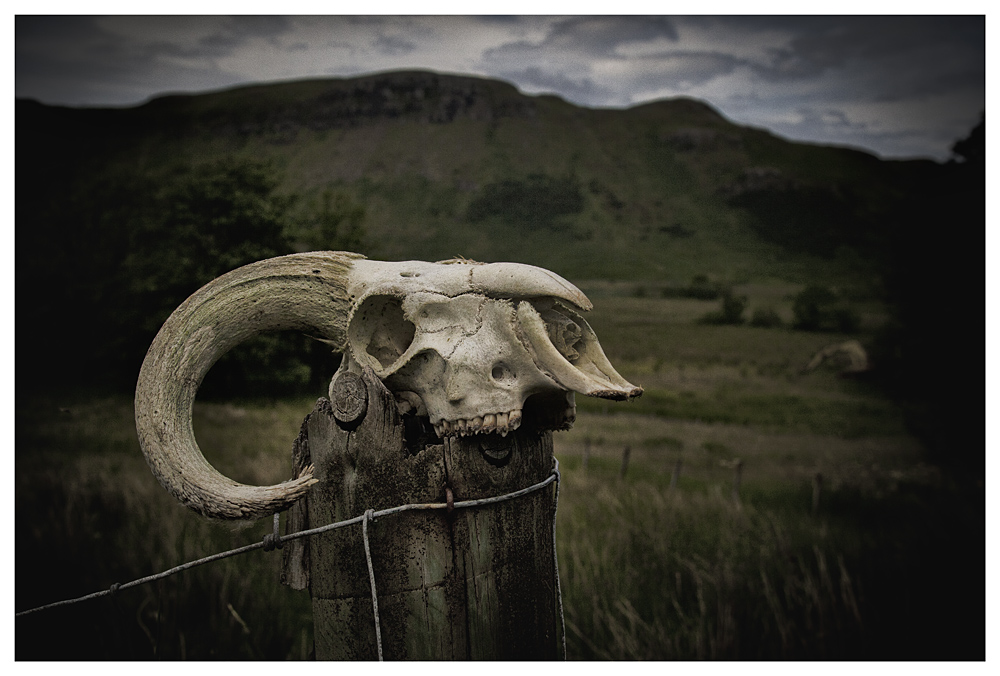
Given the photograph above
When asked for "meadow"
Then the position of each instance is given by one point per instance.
(758, 513)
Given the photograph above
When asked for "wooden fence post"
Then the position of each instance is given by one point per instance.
(474, 583)
(625, 455)
(817, 486)
(675, 474)
(737, 479)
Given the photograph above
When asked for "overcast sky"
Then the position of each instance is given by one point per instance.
(897, 86)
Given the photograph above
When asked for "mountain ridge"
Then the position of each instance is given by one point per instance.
(657, 186)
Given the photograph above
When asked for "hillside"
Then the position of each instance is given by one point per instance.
(448, 165)
(123, 213)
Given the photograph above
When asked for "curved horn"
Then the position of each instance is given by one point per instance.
(517, 280)
(453, 278)
(590, 373)
(306, 292)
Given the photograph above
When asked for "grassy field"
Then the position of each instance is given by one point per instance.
(762, 514)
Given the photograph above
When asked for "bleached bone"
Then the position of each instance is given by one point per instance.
(852, 351)
(466, 343)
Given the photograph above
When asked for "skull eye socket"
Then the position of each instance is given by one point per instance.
(381, 330)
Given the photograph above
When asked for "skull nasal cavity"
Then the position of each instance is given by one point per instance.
(381, 327)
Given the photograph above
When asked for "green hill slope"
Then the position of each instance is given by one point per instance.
(122, 213)
(448, 165)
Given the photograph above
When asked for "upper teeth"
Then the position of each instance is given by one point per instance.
(502, 423)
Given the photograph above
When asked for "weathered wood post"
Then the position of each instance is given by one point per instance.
(626, 452)
(737, 479)
(674, 475)
(817, 486)
(453, 376)
(477, 583)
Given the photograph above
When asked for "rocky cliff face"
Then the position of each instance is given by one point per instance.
(321, 105)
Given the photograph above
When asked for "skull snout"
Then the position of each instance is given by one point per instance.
(471, 394)
(465, 379)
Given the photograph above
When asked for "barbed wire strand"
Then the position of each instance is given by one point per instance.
(555, 555)
(371, 579)
(270, 541)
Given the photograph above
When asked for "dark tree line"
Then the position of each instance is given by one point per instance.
(102, 262)
(923, 233)
(933, 259)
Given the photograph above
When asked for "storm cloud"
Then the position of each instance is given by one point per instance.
(898, 86)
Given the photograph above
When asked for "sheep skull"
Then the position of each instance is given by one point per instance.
(477, 348)
(469, 344)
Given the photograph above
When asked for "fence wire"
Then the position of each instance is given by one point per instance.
(272, 540)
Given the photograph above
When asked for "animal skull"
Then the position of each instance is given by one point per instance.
(477, 348)
(470, 360)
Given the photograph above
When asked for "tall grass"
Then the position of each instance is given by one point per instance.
(888, 564)
(651, 574)
(91, 514)
(648, 571)
(879, 569)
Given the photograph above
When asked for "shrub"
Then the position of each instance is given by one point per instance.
(818, 308)
(731, 311)
(538, 201)
(702, 288)
(847, 320)
(766, 318)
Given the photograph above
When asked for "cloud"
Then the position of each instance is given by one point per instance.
(601, 36)
(882, 56)
(394, 45)
(239, 31)
(586, 59)
(533, 79)
(192, 36)
(677, 71)
(114, 60)
(865, 80)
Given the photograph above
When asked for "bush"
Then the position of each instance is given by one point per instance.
(130, 248)
(847, 320)
(731, 311)
(700, 288)
(538, 201)
(818, 308)
(331, 221)
(765, 318)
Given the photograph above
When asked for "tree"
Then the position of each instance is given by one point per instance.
(731, 311)
(198, 224)
(113, 257)
(332, 222)
(539, 201)
(932, 263)
(817, 308)
(972, 149)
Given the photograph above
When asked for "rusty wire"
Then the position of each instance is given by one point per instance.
(371, 579)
